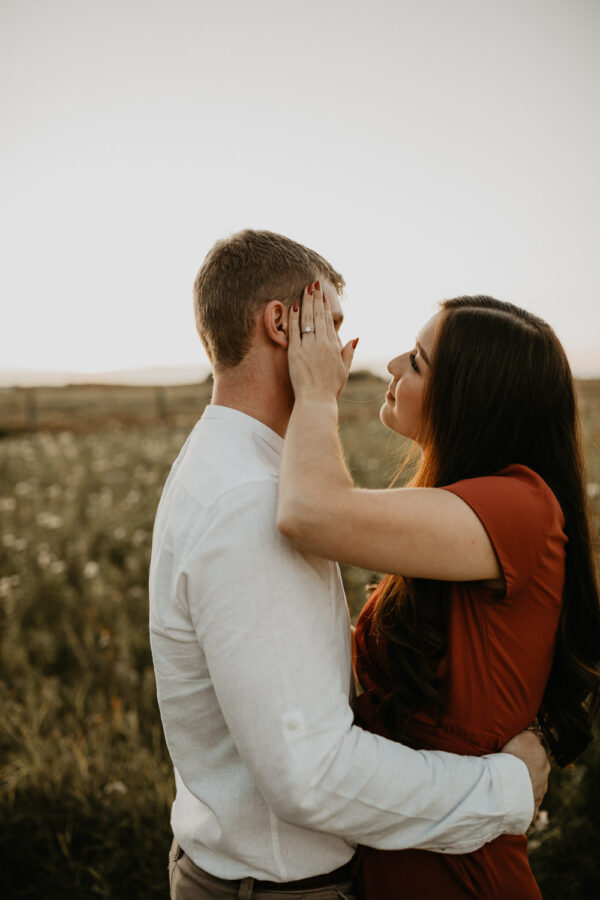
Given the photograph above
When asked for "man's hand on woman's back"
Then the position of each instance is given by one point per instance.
(528, 747)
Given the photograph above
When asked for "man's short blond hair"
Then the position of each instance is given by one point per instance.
(239, 276)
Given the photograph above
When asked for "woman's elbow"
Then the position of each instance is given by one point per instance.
(308, 522)
(290, 522)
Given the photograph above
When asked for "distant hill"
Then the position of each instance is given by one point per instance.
(149, 375)
(188, 373)
(88, 406)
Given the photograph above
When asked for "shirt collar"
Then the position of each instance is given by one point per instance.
(249, 423)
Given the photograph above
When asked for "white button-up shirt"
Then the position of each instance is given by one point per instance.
(251, 647)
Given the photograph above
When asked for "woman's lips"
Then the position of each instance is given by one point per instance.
(390, 397)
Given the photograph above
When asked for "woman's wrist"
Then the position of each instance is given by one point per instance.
(316, 402)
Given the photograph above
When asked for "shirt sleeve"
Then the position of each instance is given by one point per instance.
(520, 515)
(264, 616)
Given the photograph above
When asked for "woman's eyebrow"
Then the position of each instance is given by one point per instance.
(423, 354)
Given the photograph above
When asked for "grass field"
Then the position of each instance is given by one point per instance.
(86, 779)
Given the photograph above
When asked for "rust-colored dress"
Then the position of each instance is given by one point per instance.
(499, 658)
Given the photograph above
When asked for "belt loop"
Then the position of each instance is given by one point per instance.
(246, 889)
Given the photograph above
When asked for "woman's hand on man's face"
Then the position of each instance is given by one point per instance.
(319, 367)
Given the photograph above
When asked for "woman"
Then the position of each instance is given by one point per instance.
(490, 616)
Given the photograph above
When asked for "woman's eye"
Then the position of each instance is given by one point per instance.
(413, 361)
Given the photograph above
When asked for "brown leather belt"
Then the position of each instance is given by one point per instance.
(344, 873)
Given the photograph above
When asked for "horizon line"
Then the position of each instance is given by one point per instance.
(164, 374)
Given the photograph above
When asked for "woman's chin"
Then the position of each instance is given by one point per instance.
(386, 417)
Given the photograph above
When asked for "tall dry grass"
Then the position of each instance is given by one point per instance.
(86, 780)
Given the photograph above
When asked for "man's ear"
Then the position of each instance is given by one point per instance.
(275, 318)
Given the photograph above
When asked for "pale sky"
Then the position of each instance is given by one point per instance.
(427, 148)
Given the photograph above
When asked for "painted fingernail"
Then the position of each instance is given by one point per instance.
(355, 342)
(295, 306)
(310, 288)
(317, 285)
(324, 298)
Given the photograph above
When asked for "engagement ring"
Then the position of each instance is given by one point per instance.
(308, 330)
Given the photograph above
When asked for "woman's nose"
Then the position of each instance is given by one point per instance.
(393, 366)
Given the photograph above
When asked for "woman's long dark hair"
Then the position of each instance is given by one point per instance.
(499, 391)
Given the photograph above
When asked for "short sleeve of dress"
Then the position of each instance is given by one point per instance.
(521, 515)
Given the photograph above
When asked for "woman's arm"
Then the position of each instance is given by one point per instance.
(417, 532)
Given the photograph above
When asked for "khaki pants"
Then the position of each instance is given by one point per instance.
(188, 882)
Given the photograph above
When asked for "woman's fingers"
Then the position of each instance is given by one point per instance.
(348, 353)
(318, 366)
(318, 311)
(307, 320)
(294, 326)
(329, 323)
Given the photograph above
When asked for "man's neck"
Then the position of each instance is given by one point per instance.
(263, 398)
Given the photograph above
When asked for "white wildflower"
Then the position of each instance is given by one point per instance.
(91, 569)
(139, 537)
(131, 499)
(115, 787)
(105, 497)
(44, 559)
(49, 520)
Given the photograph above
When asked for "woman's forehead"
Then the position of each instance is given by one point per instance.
(427, 333)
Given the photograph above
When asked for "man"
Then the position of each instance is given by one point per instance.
(251, 641)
